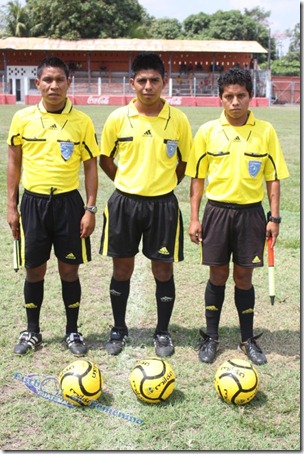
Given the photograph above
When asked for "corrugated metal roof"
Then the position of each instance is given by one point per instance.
(157, 45)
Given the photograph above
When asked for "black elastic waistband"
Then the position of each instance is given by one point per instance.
(234, 206)
(51, 194)
(143, 197)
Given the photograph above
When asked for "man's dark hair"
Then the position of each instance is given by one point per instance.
(147, 60)
(235, 76)
(52, 62)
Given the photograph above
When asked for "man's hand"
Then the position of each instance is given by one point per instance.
(87, 224)
(195, 232)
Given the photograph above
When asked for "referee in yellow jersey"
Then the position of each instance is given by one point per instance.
(144, 150)
(237, 153)
(48, 143)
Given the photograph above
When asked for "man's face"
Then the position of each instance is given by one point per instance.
(148, 85)
(235, 100)
(53, 85)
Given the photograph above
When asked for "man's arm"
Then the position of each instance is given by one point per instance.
(180, 171)
(273, 192)
(108, 165)
(13, 180)
(196, 194)
(87, 224)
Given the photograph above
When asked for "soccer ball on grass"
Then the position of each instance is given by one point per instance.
(237, 381)
(81, 382)
(152, 380)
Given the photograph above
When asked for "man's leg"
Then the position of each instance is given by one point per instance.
(119, 294)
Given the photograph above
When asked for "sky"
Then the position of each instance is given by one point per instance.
(285, 14)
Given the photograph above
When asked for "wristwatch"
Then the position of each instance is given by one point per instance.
(273, 219)
(91, 209)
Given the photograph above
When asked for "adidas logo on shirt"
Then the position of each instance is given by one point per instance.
(237, 139)
(53, 126)
(147, 133)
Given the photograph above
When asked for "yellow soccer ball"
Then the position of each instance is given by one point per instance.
(81, 382)
(152, 380)
(236, 381)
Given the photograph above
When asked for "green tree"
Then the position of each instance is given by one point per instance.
(284, 67)
(165, 29)
(289, 65)
(295, 39)
(228, 25)
(85, 19)
(259, 15)
(231, 25)
(14, 19)
(195, 25)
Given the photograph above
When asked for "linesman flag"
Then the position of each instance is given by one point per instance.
(271, 279)
(16, 260)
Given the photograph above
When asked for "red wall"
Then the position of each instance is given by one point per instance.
(119, 100)
(286, 89)
(7, 99)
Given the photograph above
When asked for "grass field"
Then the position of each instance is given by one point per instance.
(194, 418)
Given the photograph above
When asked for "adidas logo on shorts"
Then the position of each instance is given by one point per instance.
(163, 251)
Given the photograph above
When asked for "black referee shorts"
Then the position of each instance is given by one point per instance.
(157, 221)
(52, 220)
(237, 230)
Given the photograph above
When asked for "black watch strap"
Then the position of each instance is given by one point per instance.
(273, 219)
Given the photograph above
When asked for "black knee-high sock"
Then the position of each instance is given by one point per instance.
(71, 295)
(33, 297)
(119, 294)
(214, 299)
(165, 298)
(244, 301)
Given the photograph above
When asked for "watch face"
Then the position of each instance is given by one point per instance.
(92, 209)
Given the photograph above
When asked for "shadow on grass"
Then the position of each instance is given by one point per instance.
(281, 342)
(176, 396)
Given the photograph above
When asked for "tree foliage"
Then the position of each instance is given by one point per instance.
(14, 19)
(290, 64)
(285, 67)
(165, 29)
(81, 19)
(295, 39)
(195, 25)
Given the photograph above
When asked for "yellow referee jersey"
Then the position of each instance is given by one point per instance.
(53, 146)
(147, 149)
(236, 159)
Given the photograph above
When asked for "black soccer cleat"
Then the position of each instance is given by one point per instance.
(163, 344)
(76, 345)
(207, 348)
(27, 341)
(253, 351)
(117, 341)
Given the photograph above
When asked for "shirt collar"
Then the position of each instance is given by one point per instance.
(162, 114)
(68, 107)
(225, 122)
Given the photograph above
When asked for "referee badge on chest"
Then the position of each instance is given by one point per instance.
(254, 168)
(66, 149)
(171, 147)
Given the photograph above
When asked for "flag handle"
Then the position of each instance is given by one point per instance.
(271, 277)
